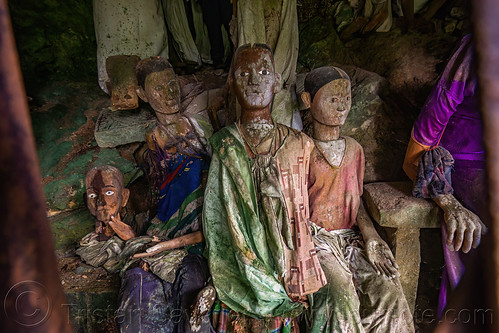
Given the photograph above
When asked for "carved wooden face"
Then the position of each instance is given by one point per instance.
(162, 91)
(332, 103)
(105, 194)
(254, 78)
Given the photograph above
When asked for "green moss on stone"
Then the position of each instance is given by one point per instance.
(55, 39)
(52, 130)
(69, 228)
(320, 44)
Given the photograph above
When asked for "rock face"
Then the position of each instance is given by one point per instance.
(64, 132)
(381, 129)
(69, 228)
(320, 45)
(377, 126)
(410, 62)
(55, 40)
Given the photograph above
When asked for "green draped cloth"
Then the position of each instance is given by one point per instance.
(241, 261)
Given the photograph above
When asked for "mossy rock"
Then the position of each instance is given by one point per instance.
(52, 130)
(320, 44)
(69, 228)
(55, 40)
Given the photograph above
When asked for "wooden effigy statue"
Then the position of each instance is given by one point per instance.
(180, 157)
(363, 293)
(446, 160)
(255, 217)
(105, 197)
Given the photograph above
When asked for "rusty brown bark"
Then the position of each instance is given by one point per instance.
(31, 295)
(486, 24)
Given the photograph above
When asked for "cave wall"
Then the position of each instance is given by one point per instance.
(55, 40)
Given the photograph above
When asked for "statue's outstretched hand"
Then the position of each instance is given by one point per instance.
(464, 228)
(381, 258)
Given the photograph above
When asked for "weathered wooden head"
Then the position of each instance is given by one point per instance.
(106, 193)
(328, 95)
(158, 86)
(252, 76)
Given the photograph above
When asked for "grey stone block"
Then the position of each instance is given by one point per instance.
(115, 128)
(392, 205)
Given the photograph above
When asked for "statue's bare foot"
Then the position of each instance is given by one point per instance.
(205, 299)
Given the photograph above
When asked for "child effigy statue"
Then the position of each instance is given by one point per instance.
(106, 196)
(156, 296)
(180, 158)
(255, 215)
(363, 292)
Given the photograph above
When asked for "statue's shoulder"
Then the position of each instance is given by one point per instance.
(350, 140)
(291, 132)
(294, 138)
(353, 145)
(225, 138)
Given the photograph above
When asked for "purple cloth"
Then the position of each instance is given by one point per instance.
(148, 304)
(451, 115)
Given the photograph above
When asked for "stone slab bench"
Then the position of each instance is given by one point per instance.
(393, 207)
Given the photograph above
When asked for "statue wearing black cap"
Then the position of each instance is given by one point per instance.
(363, 293)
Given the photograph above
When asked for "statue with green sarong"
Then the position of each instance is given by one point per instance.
(255, 216)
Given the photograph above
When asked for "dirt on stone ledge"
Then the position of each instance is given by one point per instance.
(88, 279)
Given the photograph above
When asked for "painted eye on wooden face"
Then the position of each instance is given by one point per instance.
(331, 104)
(92, 196)
(163, 91)
(109, 192)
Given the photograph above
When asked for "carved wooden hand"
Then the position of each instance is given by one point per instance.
(381, 258)
(123, 230)
(464, 228)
